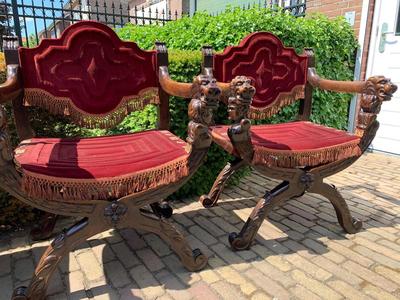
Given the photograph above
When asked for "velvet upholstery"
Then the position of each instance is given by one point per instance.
(294, 144)
(277, 72)
(88, 70)
(104, 163)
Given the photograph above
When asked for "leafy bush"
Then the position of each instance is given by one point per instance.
(332, 40)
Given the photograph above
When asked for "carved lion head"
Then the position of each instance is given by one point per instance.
(241, 86)
(381, 87)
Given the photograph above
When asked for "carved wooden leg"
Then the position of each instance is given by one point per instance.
(280, 193)
(44, 229)
(212, 197)
(60, 247)
(193, 260)
(348, 223)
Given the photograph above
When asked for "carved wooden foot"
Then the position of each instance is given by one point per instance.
(244, 239)
(348, 223)
(193, 260)
(212, 197)
(45, 228)
(61, 246)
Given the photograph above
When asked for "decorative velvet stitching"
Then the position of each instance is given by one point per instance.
(90, 66)
(277, 72)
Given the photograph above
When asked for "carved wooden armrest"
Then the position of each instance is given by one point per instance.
(205, 100)
(370, 86)
(241, 95)
(12, 88)
(378, 89)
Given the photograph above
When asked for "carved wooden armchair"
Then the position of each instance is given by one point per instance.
(96, 79)
(299, 153)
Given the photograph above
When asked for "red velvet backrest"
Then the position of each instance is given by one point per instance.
(89, 74)
(278, 73)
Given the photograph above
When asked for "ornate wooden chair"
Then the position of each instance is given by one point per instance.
(96, 79)
(299, 153)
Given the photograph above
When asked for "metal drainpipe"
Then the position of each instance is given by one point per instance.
(357, 69)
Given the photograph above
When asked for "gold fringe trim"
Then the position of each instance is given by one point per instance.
(64, 106)
(281, 101)
(292, 159)
(40, 186)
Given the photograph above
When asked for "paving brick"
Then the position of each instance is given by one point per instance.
(370, 276)
(90, 266)
(302, 293)
(131, 292)
(6, 285)
(260, 296)
(157, 244)
(133, 239)
(272, 288)
(102, 251)
(202, 291)
(389, 274)
(315, 286)
(230, 257)
(210, 227)
(5, 263)
(173, 286)
(378, 293)
(308, 267)
(366, 262)
(116, 274)
(382, 259)
(322, 250)
(337, 271)
(227, 291)
(202, 235)
(348, 291)
(176, 267)
(150, 287)
(23, 268)
(56, 284)
(278, 275)
(125, 255)
(74, 282)
(209, 275)
(69, 263)
(151, 260)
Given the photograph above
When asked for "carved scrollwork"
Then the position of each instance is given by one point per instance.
(238, 105)
(201, 108)
(377, 89)
(380, 87)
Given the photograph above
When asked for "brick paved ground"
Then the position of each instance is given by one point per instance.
(300, 253)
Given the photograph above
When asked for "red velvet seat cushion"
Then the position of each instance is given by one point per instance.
(101, 167)
(294, 144)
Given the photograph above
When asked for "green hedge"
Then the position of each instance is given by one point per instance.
(332, 40)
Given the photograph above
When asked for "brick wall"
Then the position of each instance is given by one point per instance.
(334, 8)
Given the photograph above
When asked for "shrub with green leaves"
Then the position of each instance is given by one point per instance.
(332, 40)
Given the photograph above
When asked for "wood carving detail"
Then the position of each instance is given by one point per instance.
(201, 109)
(239, 133)
(377, 89)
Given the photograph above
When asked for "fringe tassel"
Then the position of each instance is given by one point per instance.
(40, 186)
(64, 106)
(291, 159)
(281, 101)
